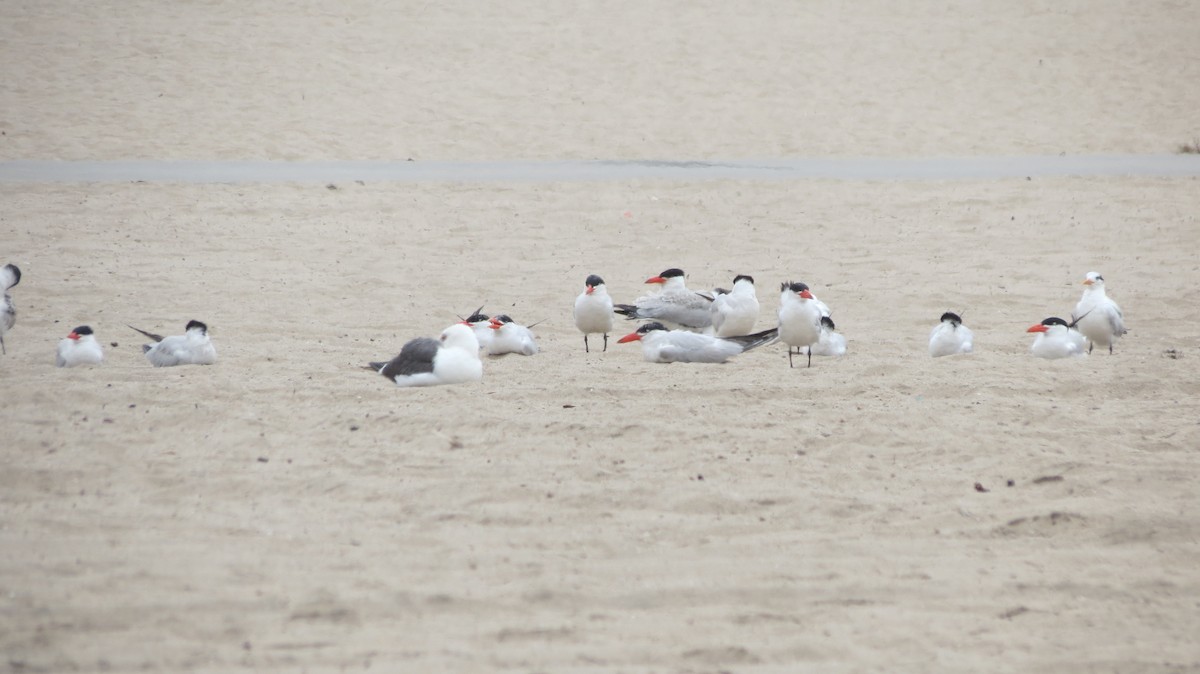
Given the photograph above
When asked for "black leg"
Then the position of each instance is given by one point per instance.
(1110, 349)
(585, 345)
(606, 341)
(810, 355)
(790, 357)
(1090, 345)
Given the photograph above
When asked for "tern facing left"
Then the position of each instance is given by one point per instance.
(191, 348)
(453, 358)
(735, 312)
(79, 348)
(1101, 320)
(660, 345)
(511, 337)
(10, 275)
(1056, 339)
(950, 337)
(594, 310)
(675, 303)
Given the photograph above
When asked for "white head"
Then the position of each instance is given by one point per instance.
(460, 336)
(1094, 280)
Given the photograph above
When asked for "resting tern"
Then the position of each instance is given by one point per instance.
(511, 337)
(191, 348)
(79, 348)
(799, 318)
(831, 342)
(424, 361)
(735, 311)
(660, 345)
(10, 275)
(1057, 339)
(1101, 319)
(481, 324)
(594, 310)
(674, 304)
(950, 337)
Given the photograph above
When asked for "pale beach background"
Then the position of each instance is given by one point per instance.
(285, 510)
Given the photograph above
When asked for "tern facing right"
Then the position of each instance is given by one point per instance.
(799, 318)
(1101, 320)
(950, 337)
(10, 275)
(191, 348)
(1057, 339)
(424, 361)
(660, 345)
(79, 348)
(735, 312)
(594, 310)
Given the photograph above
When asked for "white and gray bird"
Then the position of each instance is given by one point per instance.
(831, 343)
(193, 347)
(511, 337)
(674, 304)
(799, 318)
(453, 358)
(79, 348)
(950, 337)
(481, 324)
(594, 310)
(660, 345)
(1057, 339)
(734, 312)
(1101, 320)
(10, 275)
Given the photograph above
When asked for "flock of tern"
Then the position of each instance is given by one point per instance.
(682, 326)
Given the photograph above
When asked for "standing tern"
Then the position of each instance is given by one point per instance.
(511, 337)
(673, 304)
(950, 337)
(799, 318)
(191, 348)
(79, 348)
(424, 361)
(831, 342)
(594, 310)
(734, 312)
(10, 275)
(660, 345)
(1057, 339)
(1101, 319)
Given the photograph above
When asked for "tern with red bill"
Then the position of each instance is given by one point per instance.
(1101, 319)
(453, 358)
(1057, 338)
(193, 347)
(594, 310)
(674, 304)
(511, 337)
(950, 337)
(10, 275)
(660, 345)
(481, 324)
(799, 318)
(79, 348)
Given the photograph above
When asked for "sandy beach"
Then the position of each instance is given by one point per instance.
(285, 510)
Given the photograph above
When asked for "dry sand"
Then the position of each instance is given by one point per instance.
(284, 510)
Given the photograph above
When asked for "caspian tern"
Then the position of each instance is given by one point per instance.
(674, 304)
(511, 337)
(660, 345)
(831, 342)
(1057, 339)
(950, 337)
(1102, 321)
(734, 312)
(481, 324)
(10, 275)
(594, 310)
(79, 348)
(424, 361)
(191, 348)
(799, 318)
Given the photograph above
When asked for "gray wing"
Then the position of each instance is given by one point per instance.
(10, 275)
(415, 358)
(1116, 321)
(151, 335)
